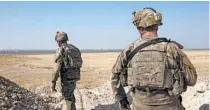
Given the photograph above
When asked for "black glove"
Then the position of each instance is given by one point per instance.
(53, 87)
(180, 98)
(125, 104)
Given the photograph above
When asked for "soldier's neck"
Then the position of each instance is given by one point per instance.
(62, 44)
(149, 35)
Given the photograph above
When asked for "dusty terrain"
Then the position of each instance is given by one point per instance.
(33, 73)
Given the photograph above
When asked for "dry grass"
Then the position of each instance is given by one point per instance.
(31, 66)
(8, 60)
(200, 60)
(36, 70)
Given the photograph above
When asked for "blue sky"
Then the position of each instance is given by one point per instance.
(98, 25)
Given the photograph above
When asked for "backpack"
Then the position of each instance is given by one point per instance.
(72, 62)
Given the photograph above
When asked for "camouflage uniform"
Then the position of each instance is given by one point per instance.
(157, 99)
(65, 86)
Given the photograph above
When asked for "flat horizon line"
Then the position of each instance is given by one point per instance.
(84, 49)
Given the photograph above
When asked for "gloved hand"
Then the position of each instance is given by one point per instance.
(53, 87)
(180, 98)
(125, 104)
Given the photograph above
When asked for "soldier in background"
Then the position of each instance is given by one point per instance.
(68, 62)
(156, 69)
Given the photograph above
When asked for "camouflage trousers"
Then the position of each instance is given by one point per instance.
(67, 89)
(137, 102)
(174, 106)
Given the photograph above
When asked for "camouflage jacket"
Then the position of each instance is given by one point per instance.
(173, 51)
(57, 66)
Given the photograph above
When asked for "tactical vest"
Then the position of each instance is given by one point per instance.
(149, 68)
(72, 62)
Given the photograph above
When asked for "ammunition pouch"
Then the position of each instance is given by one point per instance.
(71, 74)
(179, 85)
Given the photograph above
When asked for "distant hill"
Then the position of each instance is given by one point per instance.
(53, 51)
(83, 51)
(27, 51)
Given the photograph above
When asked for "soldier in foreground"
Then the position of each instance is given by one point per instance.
(156, 69)
(68, 62)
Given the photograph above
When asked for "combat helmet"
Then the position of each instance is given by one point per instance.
(61, 37)
(146, 18)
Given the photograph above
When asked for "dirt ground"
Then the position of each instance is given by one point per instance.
(31, 71)
(34, 73)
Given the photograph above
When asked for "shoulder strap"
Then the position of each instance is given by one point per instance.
(176, 43)
(141, 46)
